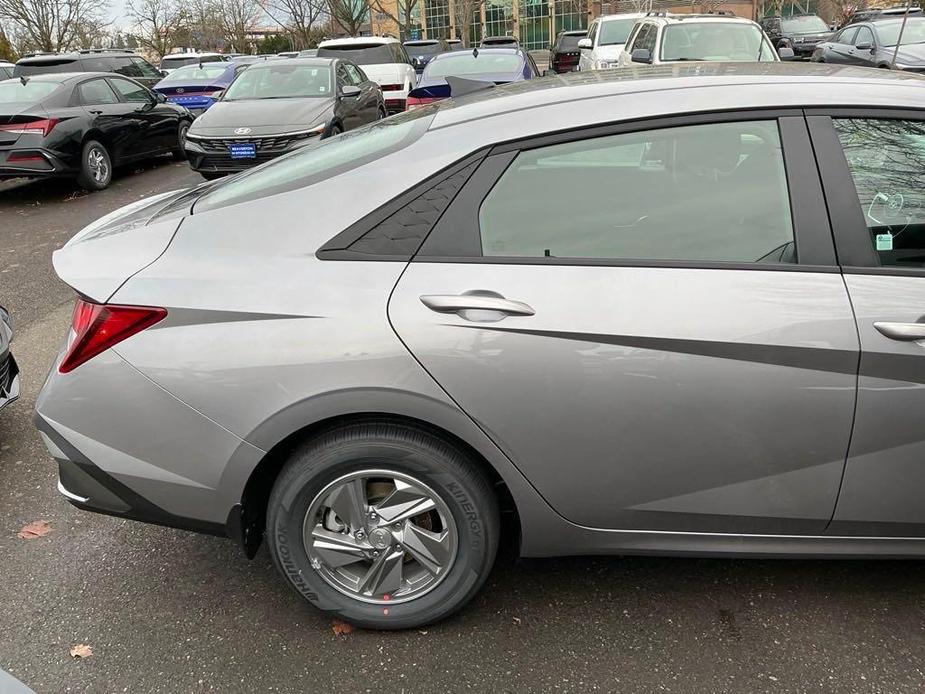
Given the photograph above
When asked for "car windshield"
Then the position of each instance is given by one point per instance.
(913, 33)
(715, 41)
(196, 72)
(273, 81)
(416, 49)
(15, 92)
(361, 54)
(615, 31)
(485, 63)
(569, 42)
(804, 24)
(321, 160)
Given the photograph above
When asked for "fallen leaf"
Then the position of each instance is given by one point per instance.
(339, 627)
(35, 529)
(81, 650)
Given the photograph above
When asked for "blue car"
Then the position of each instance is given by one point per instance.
(493, 65)
(198, 86)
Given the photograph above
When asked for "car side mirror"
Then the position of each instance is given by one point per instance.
(864, 46)
(160, 98)
(642, 55)
(585, 44)
(786, 53)
(349, 91)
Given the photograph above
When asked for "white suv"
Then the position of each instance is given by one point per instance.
(665, 38)
(384, 60)
(606, 36)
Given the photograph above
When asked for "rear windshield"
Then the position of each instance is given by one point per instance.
(173, 62)
(484, 63)
(280, 82)
(361, 54)
(715, 41)
(803, 25)
(14, 91)
(194, 72)
(416, 49)
(615, 31)
(502, 41)
(46, 66)
(321, 160)
(569, 42)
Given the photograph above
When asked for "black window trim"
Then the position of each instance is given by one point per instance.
(812, 234)
(856, 254)
(77, 99)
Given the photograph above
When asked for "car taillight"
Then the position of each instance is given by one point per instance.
(36, 127)
(97, 327)
(392, 87)
(414, 102)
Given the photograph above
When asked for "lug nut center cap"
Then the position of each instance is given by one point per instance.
(380, 538)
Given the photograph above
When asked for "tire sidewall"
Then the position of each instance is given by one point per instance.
(477, 538)
(85, 177)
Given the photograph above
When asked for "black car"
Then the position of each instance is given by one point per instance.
(801, 32)
(564, 53)
(123, 63)
(421, 51)
(9, 372)
(275, 107)
(83, 124)
(875, 13)
(873, 44)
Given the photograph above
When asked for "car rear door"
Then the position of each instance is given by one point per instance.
(660, 343)
(872, 165)
(368, 100)
(111, 117)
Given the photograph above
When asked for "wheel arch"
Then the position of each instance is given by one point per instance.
(294, 426)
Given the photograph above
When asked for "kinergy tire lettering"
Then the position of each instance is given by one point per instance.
(291, 568)
(472, 516)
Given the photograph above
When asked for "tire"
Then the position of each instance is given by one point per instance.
(179, 154)
(95, 166)
(382, 114)
(464, 516)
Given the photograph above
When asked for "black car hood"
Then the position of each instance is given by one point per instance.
(262, 116)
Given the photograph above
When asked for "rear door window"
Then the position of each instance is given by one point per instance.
(887, 163)
(708, 193)
(96, 92)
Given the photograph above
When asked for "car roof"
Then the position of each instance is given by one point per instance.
(62, 77)
(688, 88)
(622, 15)
(171, 56)
(489, 50)
(310, 61)
(703, 18)
(422, 42)
(573, 32)
(358, 40)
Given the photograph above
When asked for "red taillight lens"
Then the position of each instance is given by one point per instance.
(97, 327)
(24, 156)
(414, 102)
(36, 127)
(392, 87)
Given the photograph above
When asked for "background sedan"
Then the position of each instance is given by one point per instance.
(197, 87)
(278, 106)
(872, 44)
(82, 125)
(494, 65)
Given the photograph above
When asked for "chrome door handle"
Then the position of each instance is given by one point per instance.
(476, 301)
(907, 332)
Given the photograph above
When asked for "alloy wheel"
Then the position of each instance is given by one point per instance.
(99, 167)
(380, 536)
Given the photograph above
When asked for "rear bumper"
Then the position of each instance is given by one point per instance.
(46, 164)
(395, 102)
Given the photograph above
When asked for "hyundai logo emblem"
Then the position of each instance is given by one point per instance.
(180, 90)
(242, 131)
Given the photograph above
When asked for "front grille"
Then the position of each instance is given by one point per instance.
(265, 145)
(223, 160)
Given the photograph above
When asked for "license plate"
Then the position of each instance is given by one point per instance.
(247, 150)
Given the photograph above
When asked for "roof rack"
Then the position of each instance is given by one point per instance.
(657, 13)
(105, 50)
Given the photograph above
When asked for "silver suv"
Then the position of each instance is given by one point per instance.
(664, 38)
(707, 340)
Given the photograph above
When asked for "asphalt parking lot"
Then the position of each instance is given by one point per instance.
(170, 611)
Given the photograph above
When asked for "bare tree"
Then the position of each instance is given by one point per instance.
(402, 16)
(349, 15)
(204, 27)
(236, 18)
(465, 11)
(51, 25)
(156, 24)
(299, 17)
